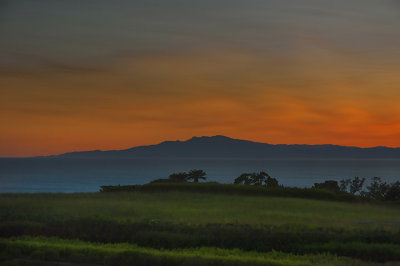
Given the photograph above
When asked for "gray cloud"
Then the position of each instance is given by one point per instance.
(89, 32)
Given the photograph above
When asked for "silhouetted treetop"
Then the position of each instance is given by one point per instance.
(257, 179)
(195, 175)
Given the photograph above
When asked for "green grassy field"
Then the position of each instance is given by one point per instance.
(196, 208)
(181, 228)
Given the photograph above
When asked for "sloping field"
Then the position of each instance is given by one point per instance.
(190, 228)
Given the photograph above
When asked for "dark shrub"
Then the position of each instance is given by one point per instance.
(330, 185)
(271, 182)
(162, 180)
(376, 190)
(179, 177)
(117, 188)
(393, 193)
(257, 179)
(379, 190)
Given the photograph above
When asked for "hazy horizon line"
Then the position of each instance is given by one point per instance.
(205, 136)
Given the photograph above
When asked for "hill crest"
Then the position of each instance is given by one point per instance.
(220, 146)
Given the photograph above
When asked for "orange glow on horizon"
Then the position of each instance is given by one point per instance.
(148, 99)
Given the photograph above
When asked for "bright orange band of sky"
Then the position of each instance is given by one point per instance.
(179, 96)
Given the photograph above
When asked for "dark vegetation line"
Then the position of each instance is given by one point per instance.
(262, 184)
(368, 244)
(230, 189)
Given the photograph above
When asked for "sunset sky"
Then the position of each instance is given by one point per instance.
(85, 75)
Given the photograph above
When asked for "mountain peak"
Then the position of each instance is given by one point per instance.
(210, 138)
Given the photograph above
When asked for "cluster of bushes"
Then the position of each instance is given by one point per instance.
(346, 189)
(194, 175)
(257, 179)
(286, 238)
(379, 190)
(376, 190)
(231, 189)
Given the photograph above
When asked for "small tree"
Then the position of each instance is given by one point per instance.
(178, 177)
(377, 189)
(196, 175)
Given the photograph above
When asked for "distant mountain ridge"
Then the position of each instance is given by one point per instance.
(225, 147)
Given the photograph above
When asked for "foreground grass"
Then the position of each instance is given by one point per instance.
(196, 208)
(53, 249)
(170, 225)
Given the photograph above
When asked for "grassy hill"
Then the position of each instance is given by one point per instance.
(174, 227)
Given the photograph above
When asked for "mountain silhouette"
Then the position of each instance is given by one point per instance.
(225, 147)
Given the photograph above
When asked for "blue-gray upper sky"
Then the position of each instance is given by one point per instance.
(88, 32)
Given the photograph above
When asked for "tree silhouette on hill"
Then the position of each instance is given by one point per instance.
(257, 179)
(196, 175)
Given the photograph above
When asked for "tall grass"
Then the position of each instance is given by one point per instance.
(53, 249)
